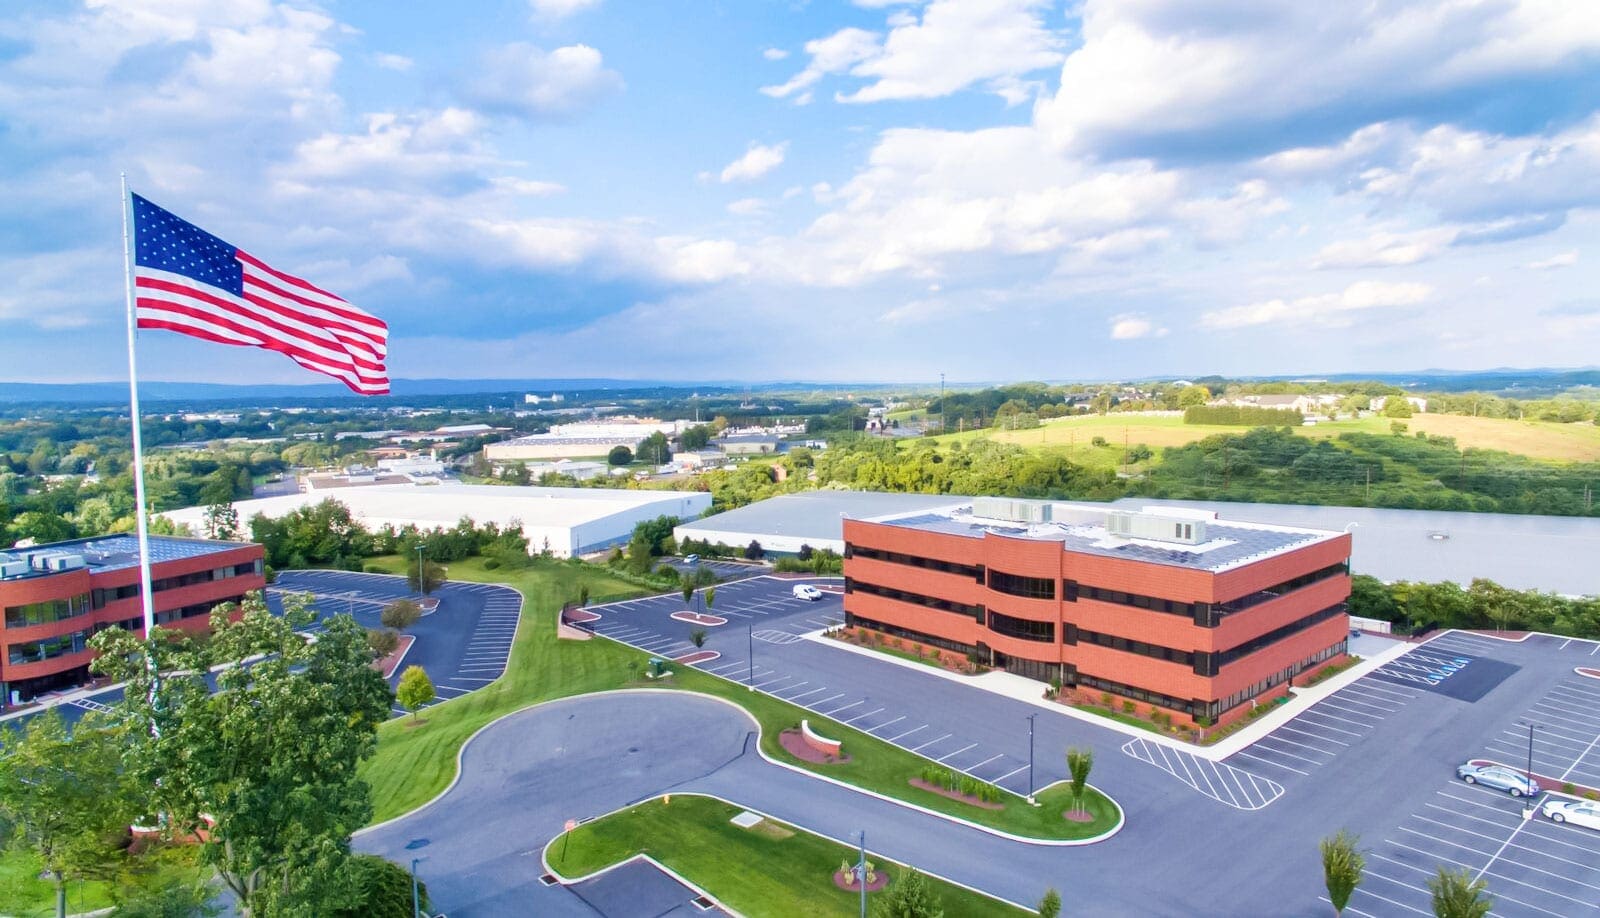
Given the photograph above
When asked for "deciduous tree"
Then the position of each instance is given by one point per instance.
(1079, 763)
(1342, 865)
(400, 614)
(911, 897)
(415, 689)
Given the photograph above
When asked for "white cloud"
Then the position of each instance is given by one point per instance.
(425, 147)
(526, 80)
(757, 161)
(560, 9)
(1385, 249)
(527, 187)
(774, 54)
(747, 207)
(1563, 260)
(393, 61)
(1159, 69)
(836, 53)
(1329, 309)
(957, 44)
(1132, 327)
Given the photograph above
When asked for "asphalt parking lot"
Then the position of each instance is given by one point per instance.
(463, 645)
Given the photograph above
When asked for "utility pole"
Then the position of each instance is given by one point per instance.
(1030, 755)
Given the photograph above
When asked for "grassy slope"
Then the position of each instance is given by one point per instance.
(413, 765)
(759, 871)
(25, 895)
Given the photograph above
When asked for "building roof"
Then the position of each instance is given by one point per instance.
(814, 515)
(445, 504)
(120, 551)
(1083, 528)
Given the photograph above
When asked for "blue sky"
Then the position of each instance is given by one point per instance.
(873, 190)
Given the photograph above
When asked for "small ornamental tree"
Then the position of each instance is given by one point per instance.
(688, 593)
(697, 637)
(400, 614)
(1457, 895)
(384, 641)
(415, 689)
(909, 898)
(1342, 865)
(431, 577)
(710, 596)
(1050, 905)
(620, 455)
(1079, 762)
(754, 551)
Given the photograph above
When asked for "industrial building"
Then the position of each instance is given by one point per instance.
(584, 439)
(564, 521)
(56, 596)
(1175, 609)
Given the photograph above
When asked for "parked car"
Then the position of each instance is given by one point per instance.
(1584, 813)
(807, 591)
(1499, 777)
(691, 559)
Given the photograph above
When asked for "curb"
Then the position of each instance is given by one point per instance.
(545, 861)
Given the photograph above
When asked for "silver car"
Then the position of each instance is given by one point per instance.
(1499, 777)
(1584, 813)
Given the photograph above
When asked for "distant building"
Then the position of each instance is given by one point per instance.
(1419, 405)
(56, 596)
(579, 440)
(748, 445)
(555, 398)
(1305, 404)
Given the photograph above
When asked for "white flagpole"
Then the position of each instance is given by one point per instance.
(146, 599)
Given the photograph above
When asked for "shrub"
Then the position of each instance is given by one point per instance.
(1569, 788)
(383, 641)
(1105, 699)
(379, 887)
(1129, 707)
(400, 614)
(491, 564)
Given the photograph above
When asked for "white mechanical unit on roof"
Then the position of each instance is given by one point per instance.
(1156, 527)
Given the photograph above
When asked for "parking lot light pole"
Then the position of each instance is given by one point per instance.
(422, 580)
(1528, 809)
(1030, 756)
(416, 900)
(861, 873)
(750, 638)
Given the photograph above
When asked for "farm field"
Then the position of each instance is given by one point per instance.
(1536, 439)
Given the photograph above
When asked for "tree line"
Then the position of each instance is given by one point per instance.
(1416, 607)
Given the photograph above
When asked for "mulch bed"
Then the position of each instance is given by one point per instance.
(387, 664)
(1591, 673)
(957, 795)
(697, 618)
(847, 881)
(796, 745)
(1074, 816)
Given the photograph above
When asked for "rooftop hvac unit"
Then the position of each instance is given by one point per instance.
(13, 569)
(1156, 528)
(65, 562)
(1011, 509)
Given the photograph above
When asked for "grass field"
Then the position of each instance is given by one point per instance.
(412, 765)
(771, 869)
(1074, 436)
(24, 895)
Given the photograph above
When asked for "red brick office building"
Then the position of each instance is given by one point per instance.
(54, 597)
(1176, 609)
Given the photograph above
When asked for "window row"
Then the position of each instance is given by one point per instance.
(1117, 642)
(1019, 585)
(932, 564)
(1153, 603)
(1022, 628)
(1216, 708)
(49, 610)
(943, 605)
(104, 595)
(853, 620)
(1288, 586)
(1277, 634)
(50, 647)
(1185, 705)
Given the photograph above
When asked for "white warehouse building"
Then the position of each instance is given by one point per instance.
(570, 521)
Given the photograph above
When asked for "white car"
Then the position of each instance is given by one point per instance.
(1578, 812)
(807, 592)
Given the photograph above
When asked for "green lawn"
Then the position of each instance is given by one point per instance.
(771, 869)
(412, 765)
(24, 895)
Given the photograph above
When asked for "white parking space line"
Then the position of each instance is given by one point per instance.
(896, 739)
(1314, 713)
(1279, 739)
(1365, 704)
(1256, 758)
(1390, 690)
(762, 685)
(1285, 752)
(844, 707)
(1019, 768)
(719, 670)
(861, 716)
(887, 723)
(985, 762)
(957, 752)
(1365, 718)
(930, 743)
(813, 705)
(1290, 728)
(804, 694)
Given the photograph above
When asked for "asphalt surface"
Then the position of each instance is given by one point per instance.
(1362, 758)
(463, 645)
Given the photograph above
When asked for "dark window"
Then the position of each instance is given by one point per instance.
(943, 605)
(47, 648)
(1116, 642)
(1153, 603)
(854, 620)
(50, 610)
(1215, 708)
(1022, 628)
(1277, 634)
(1288, 586)
(1185, 705)
(104, 595)
(932, 564)
(1018, 585)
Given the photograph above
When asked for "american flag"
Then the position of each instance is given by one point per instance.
(193, 283)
